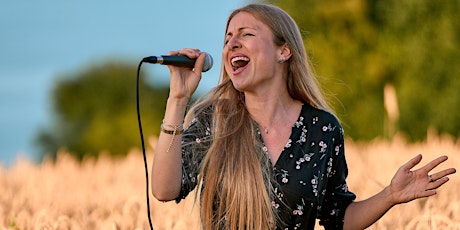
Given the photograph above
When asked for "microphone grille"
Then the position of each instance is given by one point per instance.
(207, 65)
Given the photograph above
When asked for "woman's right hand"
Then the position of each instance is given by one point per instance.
(184, 81)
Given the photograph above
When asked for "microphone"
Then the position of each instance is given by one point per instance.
(181, 61)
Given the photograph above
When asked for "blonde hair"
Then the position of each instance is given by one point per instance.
(235, 179)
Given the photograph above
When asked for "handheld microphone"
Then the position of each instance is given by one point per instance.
(181, 61)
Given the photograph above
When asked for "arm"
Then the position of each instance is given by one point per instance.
(166, 167)
(405, 186)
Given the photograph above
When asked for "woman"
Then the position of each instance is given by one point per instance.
(263, 147)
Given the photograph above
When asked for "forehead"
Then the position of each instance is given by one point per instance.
(244, 20)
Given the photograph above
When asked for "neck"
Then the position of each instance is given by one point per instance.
(270, 110)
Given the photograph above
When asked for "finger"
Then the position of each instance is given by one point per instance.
(173, 69)
(191, 53)
(427, 193)
(199, 64)
(438, 183)
(433, 164)
(443, 173)
(412, 163)
(174, 53)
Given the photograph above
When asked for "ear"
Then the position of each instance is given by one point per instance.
(284, 52)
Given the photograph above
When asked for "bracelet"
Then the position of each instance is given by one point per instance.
(171, 132)
(175, 127)
(178, 129)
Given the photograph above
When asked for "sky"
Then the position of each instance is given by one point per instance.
(42, 40)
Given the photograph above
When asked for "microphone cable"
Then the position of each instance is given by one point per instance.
(142, 142)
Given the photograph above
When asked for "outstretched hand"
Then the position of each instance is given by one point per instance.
(408, 184)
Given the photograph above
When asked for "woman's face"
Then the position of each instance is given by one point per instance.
(250, 54)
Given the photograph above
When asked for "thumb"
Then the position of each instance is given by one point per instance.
(198, 68)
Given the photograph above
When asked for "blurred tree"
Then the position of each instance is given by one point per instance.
(95, 111)
(359, 46)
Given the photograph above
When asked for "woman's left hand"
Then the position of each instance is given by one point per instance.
(408, 185)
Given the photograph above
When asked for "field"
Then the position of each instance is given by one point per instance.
(107, 193)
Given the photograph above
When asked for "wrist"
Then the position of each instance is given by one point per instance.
(175, 111)
(389, 196)
(178, 102)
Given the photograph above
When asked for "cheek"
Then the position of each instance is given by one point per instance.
(227, 66)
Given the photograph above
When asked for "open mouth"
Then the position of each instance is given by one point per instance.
(239, 62)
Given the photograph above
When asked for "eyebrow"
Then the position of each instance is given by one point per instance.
(240, 29)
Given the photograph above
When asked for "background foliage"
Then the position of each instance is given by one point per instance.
(95, 110)
(357, 46)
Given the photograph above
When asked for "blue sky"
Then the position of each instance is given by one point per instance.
(41, 40)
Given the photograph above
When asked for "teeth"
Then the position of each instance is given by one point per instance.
(235, 59)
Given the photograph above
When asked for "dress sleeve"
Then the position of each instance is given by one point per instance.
(195, 144)
(337, 197)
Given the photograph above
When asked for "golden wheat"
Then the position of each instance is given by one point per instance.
(107, 193)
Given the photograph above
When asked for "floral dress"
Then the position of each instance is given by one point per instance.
(310, 172)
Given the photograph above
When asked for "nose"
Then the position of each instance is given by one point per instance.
(233, 43)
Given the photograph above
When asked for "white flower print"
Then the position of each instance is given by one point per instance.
(305, 158)
(329, 167)
(332, 212)
(314, 185)
(265, 149)
(328, 128)
(323, 147)
(314, 181)
(278, 194)
(337, 149)
(303, 136)
(299, 122)
(345, 188)
(284, 176)
(299, 210)
(315, 119)
(288, 144)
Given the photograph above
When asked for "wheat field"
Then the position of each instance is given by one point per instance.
(107, 193)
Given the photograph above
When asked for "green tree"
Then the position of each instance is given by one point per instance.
(95, 110)
(359, 46)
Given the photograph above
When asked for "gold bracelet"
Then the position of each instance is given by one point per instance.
(177, 130)
(172, 132)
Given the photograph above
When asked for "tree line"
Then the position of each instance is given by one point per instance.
(387, 66)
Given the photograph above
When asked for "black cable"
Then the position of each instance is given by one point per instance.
(143, 145)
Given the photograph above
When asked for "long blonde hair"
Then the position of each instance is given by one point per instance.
(235, 179)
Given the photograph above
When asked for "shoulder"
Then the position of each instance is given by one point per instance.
(317, 116)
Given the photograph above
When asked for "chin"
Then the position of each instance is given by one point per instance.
(238, 87)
